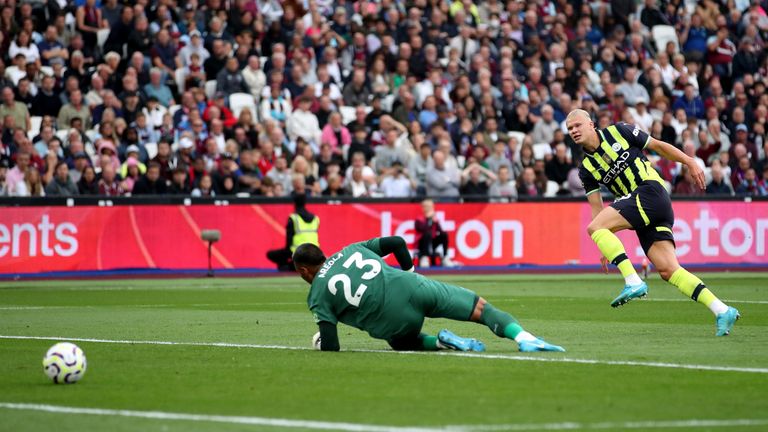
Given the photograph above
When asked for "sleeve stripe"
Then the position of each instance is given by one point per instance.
(592, 191)
(647, 141)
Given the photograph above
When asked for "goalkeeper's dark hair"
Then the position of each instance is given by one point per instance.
(308, 254)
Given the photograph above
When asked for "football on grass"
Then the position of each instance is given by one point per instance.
(64, 363)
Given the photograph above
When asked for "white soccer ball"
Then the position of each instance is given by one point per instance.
(316, 341)
(64, 363)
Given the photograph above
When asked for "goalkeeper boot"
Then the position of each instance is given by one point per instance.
(458, 343)
(538, 345)
(726, 320)
(630, 292)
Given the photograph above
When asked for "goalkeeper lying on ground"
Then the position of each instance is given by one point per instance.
(354, 286)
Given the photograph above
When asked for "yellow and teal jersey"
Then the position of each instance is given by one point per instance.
(619, 162)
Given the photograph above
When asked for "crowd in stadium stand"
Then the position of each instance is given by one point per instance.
(387, 98)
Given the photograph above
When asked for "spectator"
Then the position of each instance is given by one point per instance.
(686, 185)
(108, 184)
(150, 183)
(230, 79)
(751, 185)
(75, 109)
(560, 165)
(527, 185)
(475, 182)
(205, 188)
(88, 184)
(504, 187)
(158, 89)
(335, 134)
(17, 110)
(356, 92)
(396, 182)
(303, 123)
(61, 184)
(431, 239)
(254, 77)
(276, 106)
(691, 103)
(31, 184)
(442, 180)
(544, 129)
(718, 185)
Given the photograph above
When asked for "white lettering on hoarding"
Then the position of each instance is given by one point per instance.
(37, 238)
(491, 236)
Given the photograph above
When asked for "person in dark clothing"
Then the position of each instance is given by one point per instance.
(560, 165)
(150, 183)
(302, 227)
(432, 239)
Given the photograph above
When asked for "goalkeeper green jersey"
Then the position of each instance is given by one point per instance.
(350, 288)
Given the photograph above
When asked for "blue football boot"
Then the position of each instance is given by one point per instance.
(458, 343)
(630, 292)
(538, 345)
(726, 320)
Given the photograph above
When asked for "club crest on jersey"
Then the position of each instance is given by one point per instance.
(616, 147)
(607, 158)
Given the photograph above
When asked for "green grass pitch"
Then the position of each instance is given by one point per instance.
(651, 365)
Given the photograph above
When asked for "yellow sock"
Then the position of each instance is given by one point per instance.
(693, 287)
(611, 248)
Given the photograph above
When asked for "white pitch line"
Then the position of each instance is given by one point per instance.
(359, 427)
(644, 425)
(689, 300)
(243, 420)
(430, 353)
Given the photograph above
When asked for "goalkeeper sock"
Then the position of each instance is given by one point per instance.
(693, 287)
(611, 248)
(504, 324)
(430, 343)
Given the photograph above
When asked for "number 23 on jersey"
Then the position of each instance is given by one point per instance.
(346, 283)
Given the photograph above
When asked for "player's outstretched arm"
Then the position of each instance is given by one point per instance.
(397, 246)
(670, 152)
(329, 337)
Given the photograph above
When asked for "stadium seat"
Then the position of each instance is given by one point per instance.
(92, 134)
(387, 102)
(173, 108)
(151, 149)
(210, 89)
(63, 134)
(101, 38)
(552, 188)
(347, 114)
(240, 101)
(35, 122)
(541, 150)
(179, 76)
(662, 34)
(520, 136)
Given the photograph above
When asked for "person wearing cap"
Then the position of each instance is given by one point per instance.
(742, 137)
(614, 157)
(132, 152)
(302, 227)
